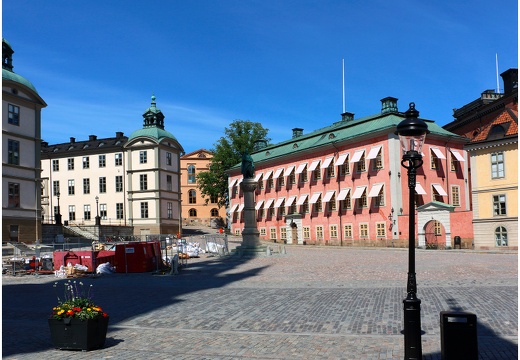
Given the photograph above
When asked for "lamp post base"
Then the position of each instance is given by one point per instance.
(412, 328)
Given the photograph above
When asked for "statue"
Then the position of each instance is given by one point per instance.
(248, 168)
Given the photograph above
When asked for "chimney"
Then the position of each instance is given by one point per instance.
(45, 144)
(510, 79)
(259, 144)
(297, 132)
(347, 116)
(92, 137)
(119, 134)
(389, 105)
(72, 140)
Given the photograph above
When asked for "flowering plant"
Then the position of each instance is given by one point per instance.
(76, 303)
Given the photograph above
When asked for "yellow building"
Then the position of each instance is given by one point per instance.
(196, 209)
(494, 158)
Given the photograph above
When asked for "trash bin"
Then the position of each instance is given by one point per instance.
(456, 242)
(458, 335)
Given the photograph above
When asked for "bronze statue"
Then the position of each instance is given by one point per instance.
(248, 168)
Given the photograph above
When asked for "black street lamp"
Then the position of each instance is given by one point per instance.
(412, 132)
(98, 219)
(57, 216)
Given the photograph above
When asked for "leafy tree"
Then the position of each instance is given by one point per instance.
(238, 138)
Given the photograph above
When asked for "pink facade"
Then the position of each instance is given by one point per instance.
(351, 189)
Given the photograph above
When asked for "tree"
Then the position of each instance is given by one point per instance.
(238, 138)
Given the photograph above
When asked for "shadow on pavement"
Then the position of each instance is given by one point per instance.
(27, 306)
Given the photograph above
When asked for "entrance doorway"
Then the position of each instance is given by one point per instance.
(435, 235)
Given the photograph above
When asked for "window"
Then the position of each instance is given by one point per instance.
(333, 229)
(71, 187)
(497, 165)
(56, 187)
(455, 196)
(381, 229)
(273, 233)
(331, 170)
(102, 161)
(72, 212)
(56, 210)
(454, 163)
(86, 162)
(346, 204)
(304, 176)
(263, 232)
(318, 206)
(281, 210)
(360, 165)
(237, 232)
(283, 233)
(144, 210)
(281, 181)
(192, 197)
(380, 198)
(86, 212)
(14, 195)
(103, 211)
(168, 158)
(292, 208)
(435, 161)
(319, 232)
(332, 203)
(270, 183)
(169, 210)
(143, 182)
(119, 211)
(436, 195)
(347, 230)
(260, 185)
(13, 115)
(271, 211)
(377, 163)
(501, 236)
(214, 212)
(102, 185)
(316, 174)
(118, 159)
(499, 205)
(344, 169)
(191, 174)
(119, 183)
(169, 185)
(143, 157)
(86, 186)
(437, 228)
(363, 200)
(55, 165)
(70, 163)
(363, 230)
(213, 199)
(292, 178)
(13, 152)
(305, 207)
(306, 232)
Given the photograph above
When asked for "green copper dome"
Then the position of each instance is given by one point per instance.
(7, 67)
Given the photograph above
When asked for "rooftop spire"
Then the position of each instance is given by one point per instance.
(153, 117)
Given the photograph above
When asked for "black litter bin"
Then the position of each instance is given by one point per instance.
(458, 336)
(456, 242)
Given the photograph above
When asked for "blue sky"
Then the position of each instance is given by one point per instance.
(208, 62)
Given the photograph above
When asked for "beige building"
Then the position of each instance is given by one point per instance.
(21, 137)
(118, 181)
(196, 209)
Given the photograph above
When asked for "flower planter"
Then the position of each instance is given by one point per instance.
(76, 334)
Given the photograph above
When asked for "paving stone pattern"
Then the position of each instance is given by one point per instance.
(312, 303)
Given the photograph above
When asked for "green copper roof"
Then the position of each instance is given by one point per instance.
(342, 131)
(151, 132)
(9, 75)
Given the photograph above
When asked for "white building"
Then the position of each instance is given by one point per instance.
(21, 138)
(130, 181)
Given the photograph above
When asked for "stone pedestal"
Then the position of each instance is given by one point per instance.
(250, 235)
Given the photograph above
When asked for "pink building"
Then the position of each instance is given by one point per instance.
(344, 185)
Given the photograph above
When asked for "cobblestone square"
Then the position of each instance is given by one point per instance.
(311, 303)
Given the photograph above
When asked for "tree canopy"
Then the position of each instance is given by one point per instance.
(239, 137)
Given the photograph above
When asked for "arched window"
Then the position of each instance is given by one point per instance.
(191, 174)
(501, 236)
(214, 212)
(192, 197)
(193, 213)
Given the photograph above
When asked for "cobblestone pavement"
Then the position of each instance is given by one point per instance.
(311, 303)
